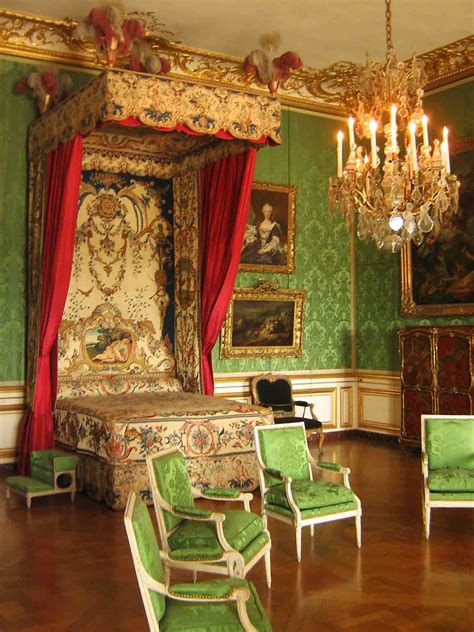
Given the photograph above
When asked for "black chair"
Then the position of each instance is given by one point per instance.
(275, 392)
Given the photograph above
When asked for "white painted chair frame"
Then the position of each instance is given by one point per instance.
(427, 503)
(146, 582)
(232, 562)
(298, 522)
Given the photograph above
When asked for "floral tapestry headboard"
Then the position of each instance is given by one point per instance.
(117, 331)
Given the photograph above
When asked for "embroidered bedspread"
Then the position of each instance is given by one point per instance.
(215, 434)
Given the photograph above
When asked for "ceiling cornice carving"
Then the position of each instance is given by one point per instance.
(52, 40)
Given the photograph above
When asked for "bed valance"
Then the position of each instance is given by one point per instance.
(161, 103)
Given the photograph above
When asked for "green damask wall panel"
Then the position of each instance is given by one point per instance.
(307, 158)
(378, 273)
(16, 113)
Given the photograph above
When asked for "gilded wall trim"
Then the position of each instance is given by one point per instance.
(346, 392)
(52, 40)
(8, 453)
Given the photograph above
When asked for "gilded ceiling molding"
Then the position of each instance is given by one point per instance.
(52, 40)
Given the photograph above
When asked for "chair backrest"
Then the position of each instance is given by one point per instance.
(448, 441)
(283, 447)
(146, 555)
(169, 476)
(274, 391)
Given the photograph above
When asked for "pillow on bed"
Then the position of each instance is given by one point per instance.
(113, 384)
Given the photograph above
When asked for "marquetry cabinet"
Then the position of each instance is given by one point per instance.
(437, 375)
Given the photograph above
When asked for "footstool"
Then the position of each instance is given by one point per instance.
(52, 472)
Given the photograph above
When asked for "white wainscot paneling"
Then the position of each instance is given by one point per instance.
(12, 396)
(379, 409)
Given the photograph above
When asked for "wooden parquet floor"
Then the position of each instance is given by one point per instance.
(65, 568)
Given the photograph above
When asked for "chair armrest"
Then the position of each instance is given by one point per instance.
(218, 589)
(269, 471)
(193, 513)
(229, 495)
(335, 467)
(332, 467)
(305, 405)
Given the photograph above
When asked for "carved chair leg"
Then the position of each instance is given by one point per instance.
(427, 521)
(268, 568)
(298, 544)
(358, 531)
(320, 439)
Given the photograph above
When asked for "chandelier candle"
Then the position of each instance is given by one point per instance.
(393, 128)
(397, 192)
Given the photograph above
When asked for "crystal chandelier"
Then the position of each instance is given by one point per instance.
(398, 197)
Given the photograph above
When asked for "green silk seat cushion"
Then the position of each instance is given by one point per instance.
(27, 485)
(149, 552)
(240, 529)
(172, 480)
(308, 514)
(310, 494)
(450, 443)
(213, 617)
(285, 449)
(455, 496)
(451, 480)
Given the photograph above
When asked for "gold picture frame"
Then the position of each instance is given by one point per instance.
(269, 241)
(263, 322)
(438, 276)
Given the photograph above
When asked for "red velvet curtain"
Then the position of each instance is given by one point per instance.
(225, 195)
(62, 193)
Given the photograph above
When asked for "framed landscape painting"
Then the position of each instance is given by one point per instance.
(269, 239)
(438, 275)
(263, 323)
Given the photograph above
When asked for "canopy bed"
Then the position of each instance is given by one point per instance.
(139, 187)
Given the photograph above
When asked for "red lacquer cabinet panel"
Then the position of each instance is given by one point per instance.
(437, 375)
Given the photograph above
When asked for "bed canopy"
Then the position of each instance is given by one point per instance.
(139, 131)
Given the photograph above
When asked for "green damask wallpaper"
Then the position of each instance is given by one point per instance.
(16, 113)
(378, 273)
(307, 157)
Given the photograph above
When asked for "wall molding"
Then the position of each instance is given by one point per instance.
(47, 39)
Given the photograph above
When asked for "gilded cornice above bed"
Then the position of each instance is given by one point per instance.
(161, 102)
(52, 40)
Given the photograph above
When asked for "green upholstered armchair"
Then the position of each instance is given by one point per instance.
(213, 606)
(447, 444)
(228, 542)
(288, 490)
(275, 392)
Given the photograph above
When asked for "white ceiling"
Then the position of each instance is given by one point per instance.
(321, 31)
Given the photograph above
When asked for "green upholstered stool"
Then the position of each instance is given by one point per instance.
(52, 472)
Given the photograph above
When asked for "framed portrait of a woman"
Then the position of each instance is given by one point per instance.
(269, 239)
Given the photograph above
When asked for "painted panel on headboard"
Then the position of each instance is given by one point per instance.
(117, 331)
